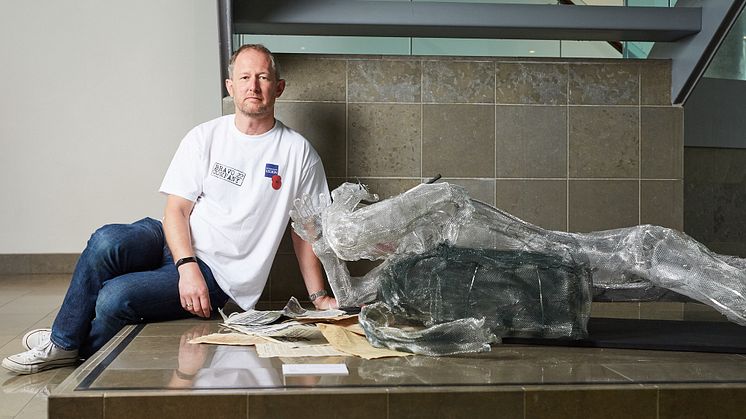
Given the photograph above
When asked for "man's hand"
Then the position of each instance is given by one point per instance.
(325, 302)
(193, 292)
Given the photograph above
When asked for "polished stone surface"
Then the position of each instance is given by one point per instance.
(150, 361)
(518, 381)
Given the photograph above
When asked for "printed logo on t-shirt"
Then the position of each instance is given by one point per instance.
(227, 173)
(271, 170)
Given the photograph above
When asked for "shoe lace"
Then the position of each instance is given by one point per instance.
(41, 351)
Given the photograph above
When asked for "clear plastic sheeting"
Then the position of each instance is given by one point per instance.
(458, 274)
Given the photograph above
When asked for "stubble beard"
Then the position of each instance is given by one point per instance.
(253, 111)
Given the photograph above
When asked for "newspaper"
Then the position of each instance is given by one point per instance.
(292, 309)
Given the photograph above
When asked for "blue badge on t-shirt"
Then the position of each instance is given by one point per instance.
(271, 170)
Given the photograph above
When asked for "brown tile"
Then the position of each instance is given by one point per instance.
(602, 204)
(362, 267)
(308, 78)
(715, 191)
(458, 82)
(604, 84)
(702, 403)
(662, 203)
(318, 406)
(661, 143)
(53, 263)
(386, 188)
(286, 243)
(456, 405)
(287, 280)
(623, 310)
(466, 131)
(655, 82)
(479, 189)
(229, 107)
(540, 202)
(683, 371)
(531, 141)
(604, 142)
(384, 81)
(87, 407)
(15, 264)
(662, 310)
(323, 124)
(715, 165)
(176, 406)
(540, 83)
(702, 312)
(591, 403)
(384, 140)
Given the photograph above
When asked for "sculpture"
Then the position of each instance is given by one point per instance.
(458, 274)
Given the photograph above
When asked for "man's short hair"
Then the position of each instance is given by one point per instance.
(255, 47)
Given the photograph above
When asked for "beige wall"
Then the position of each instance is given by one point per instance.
(576, 145)
(94, 98)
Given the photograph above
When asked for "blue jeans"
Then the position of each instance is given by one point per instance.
(125, 275)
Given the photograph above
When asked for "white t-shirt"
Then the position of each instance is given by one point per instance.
(244, 187)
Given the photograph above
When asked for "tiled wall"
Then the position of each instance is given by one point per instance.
(715, 190)
(573, 145)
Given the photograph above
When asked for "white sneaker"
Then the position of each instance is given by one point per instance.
(35, 338)
(40, 358)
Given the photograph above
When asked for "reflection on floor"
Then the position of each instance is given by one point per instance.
(150, 371)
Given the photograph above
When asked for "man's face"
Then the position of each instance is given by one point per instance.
(253, 85)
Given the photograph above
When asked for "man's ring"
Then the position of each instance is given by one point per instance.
(188, 305)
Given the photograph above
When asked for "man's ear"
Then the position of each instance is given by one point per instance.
(280, 87)
(229, 86)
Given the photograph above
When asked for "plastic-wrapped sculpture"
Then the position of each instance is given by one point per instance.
(458, 274)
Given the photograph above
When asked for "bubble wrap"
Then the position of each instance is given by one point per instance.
(458, 274)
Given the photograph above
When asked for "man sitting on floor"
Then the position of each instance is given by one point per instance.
(230, 188)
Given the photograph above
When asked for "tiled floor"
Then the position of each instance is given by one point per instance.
(27, 302)
(520, 381)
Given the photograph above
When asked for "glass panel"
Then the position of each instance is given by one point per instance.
(730, 60)
(642, 49)
(331, 44)
(588, 49)
(485, 47)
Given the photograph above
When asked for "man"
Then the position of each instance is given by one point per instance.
(230, 187)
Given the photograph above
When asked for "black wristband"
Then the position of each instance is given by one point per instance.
(187, 259)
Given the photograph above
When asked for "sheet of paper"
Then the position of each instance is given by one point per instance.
(314, 369)
(270, 350)
(291, 329)
(348, 342)
(352, 324)
(238, 339)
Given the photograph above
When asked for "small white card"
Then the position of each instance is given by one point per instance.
(314, 369)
